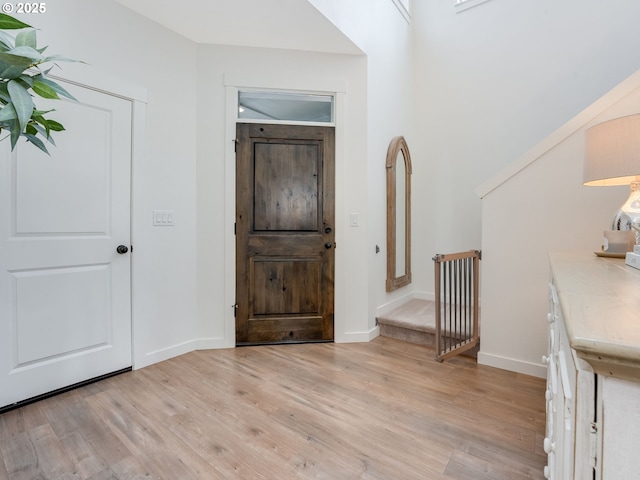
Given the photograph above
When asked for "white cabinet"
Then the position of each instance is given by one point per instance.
(593, 370)
(571, 395)
(620, 426)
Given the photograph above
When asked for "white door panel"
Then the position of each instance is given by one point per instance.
(87, 203)
(81, 294)
(65, 293)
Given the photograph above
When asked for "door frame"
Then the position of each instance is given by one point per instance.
(337, 88)
(94, 79)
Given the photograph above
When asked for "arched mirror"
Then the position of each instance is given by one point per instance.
(398, 214)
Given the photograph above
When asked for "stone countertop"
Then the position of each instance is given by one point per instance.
(600, 302)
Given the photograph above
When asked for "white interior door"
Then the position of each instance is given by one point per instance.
(65, 292)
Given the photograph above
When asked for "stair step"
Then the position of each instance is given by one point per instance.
(414, 322)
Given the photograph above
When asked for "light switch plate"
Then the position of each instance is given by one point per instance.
(163, 218)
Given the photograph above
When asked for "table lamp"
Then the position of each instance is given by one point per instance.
(612, 157)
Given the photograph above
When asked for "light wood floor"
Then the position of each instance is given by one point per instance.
(378, 410)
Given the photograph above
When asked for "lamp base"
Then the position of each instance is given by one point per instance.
(628, 217)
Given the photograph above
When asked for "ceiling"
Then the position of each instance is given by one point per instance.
(288, 24)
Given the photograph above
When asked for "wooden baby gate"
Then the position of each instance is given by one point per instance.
(456, 303)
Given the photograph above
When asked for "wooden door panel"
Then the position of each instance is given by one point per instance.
(284, 233)
(286, 330)
(286, 187)
(284, 286)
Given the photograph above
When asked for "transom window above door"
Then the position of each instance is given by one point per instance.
(285, 106)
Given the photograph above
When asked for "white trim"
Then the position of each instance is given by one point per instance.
(312, 84)
(89, 77)
(284, 122)
(572, 126)
(405, 10)
(138, 216)
(231, 114)
(387, 307)
(462, 5)
(166, 353)
(358, 337)
(513, 365)
(341, 299)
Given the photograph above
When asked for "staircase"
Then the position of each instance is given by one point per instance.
(413, 322)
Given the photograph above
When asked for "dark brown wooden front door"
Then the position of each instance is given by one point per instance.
(285, 233)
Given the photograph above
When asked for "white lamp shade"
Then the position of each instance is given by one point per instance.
(612, 152)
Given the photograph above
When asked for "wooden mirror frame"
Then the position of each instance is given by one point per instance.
(398, 145)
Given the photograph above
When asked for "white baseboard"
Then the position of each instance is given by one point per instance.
(218, 343)
(387, 307)
(144, 360)
(358, 337)
(425, 296)
(513, 365)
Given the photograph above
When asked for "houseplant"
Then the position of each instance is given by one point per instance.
(23, 74)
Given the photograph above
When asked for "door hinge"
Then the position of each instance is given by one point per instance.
(235, 310)
(131, 249)
(593, 445)
(235, 228)
(235, 145)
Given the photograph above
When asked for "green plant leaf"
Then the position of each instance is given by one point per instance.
(44, 122)
(7, 22)
(4, 93)
(6, 40)
(26, 79)
(59, 58)
(45, 133)
(57, 88)
(28, 52)
(55, 126)
(26, 38)
(37, 142)
(22, 102)
(7, 113)
(44, 90)
(14, 130)
(18, 85)
(12, 66)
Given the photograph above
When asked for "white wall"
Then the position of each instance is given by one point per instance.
(541, 208)
(117, 43)
(383, 33)
(181, 277)
(493, 81)
(471, 92)
(377, 108)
